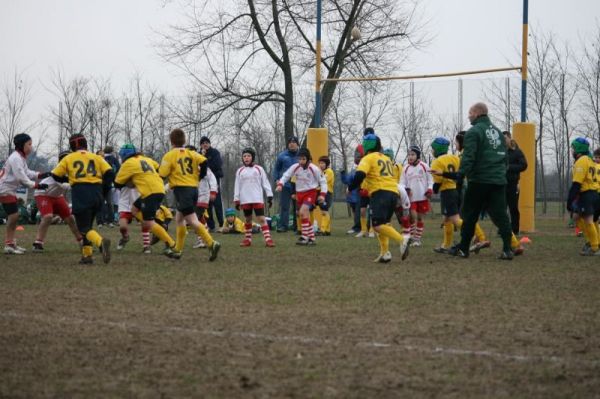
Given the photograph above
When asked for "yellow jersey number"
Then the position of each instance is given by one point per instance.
(386, 168)
(82, 171)
(186, 165)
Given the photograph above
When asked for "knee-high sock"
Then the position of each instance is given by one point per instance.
(306, 228)
(94, 238)
(266, 232)
(145, 237)
(248, 231)
(181, 232)
(580, 224)
(363, 224)
(514, 242)
(479, 234)
(325, 222)
(448, 234)
(388, 231)
(405, 225)
(162, 234)
(87, 250)
(384, 243)
(205, 235)
(420, 228)
(592, 235)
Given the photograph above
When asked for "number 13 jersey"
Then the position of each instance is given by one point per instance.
(182, 167)
(379, 172)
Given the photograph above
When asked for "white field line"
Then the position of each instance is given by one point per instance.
(124, 325)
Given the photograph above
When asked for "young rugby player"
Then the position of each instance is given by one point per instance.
(376, 170)
(325, 227)
(50, 202)
(90, 176)
(583, 195)
(418, 183)
(184, 168)
(250, 181)
(309, 181)
(14, 174)
(142, 172)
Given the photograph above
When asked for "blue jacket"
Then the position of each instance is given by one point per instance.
(285, 159)
(347, 178)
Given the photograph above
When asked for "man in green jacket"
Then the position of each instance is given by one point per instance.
(483, 164)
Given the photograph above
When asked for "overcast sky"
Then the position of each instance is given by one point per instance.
(113, 38)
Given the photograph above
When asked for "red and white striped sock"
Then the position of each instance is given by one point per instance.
(307, 229)
(10, 243)
(419, 231)
(266, 232)
(38, 241)
(413, 230)
(248, 231)
(146, 237)
(405, 226)
(124, 232)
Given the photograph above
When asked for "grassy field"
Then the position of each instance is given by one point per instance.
(301, 322)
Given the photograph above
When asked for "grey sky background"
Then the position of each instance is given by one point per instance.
(113, 38)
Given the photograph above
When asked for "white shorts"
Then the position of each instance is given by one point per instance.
(127, 198)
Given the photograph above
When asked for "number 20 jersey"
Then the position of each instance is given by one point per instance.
(181, 166)
(379, 172)
(82, 167)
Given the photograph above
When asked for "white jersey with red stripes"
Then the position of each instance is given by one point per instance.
(250, 181)
(55, 189)
(207, 185)
(417, 179)
(15, 174)
(309, 178)
(127, 197)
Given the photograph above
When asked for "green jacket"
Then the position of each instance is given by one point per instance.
(484, 157)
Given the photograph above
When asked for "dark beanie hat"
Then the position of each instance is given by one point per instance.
(204, 139)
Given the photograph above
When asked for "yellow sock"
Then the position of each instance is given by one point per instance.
(162, 234)
(203, 233)
(325, 223)
(388, 231)
(580, 224)
(87, 250)
(592, 235)
(384, 244)
(448, 234)
(181, 232)
(94, 237)
(479, 234)
(514, 242)
(363, 224)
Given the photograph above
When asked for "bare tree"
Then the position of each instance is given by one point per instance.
(588, 68)
(16, 94)
(542, 73)
(73, 111)
(106, 112)
(232, 38)
(143, 110)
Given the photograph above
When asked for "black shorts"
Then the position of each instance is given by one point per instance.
(364, 201)
(185, 199)
(86, 197)
(257, 211)
(10, 208)
(327, 204)
(149, 205)
(382, 206)
(450, 202)
(587, 203)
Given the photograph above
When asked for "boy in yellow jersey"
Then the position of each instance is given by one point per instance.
(142, 172)
(375, 169)
(324, 163)
(184, 168)
(583, 195)
(89, 176)
(233, 224)
(448, 164)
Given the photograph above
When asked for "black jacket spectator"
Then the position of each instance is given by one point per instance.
(215, 163)
(516, 163)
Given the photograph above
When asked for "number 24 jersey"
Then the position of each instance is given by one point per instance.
(379, 173)
(82, 167)
(182, 167)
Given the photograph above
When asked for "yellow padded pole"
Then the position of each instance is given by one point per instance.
(524, 135)
(317, 142)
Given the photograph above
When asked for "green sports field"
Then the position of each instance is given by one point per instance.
(293, 321)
